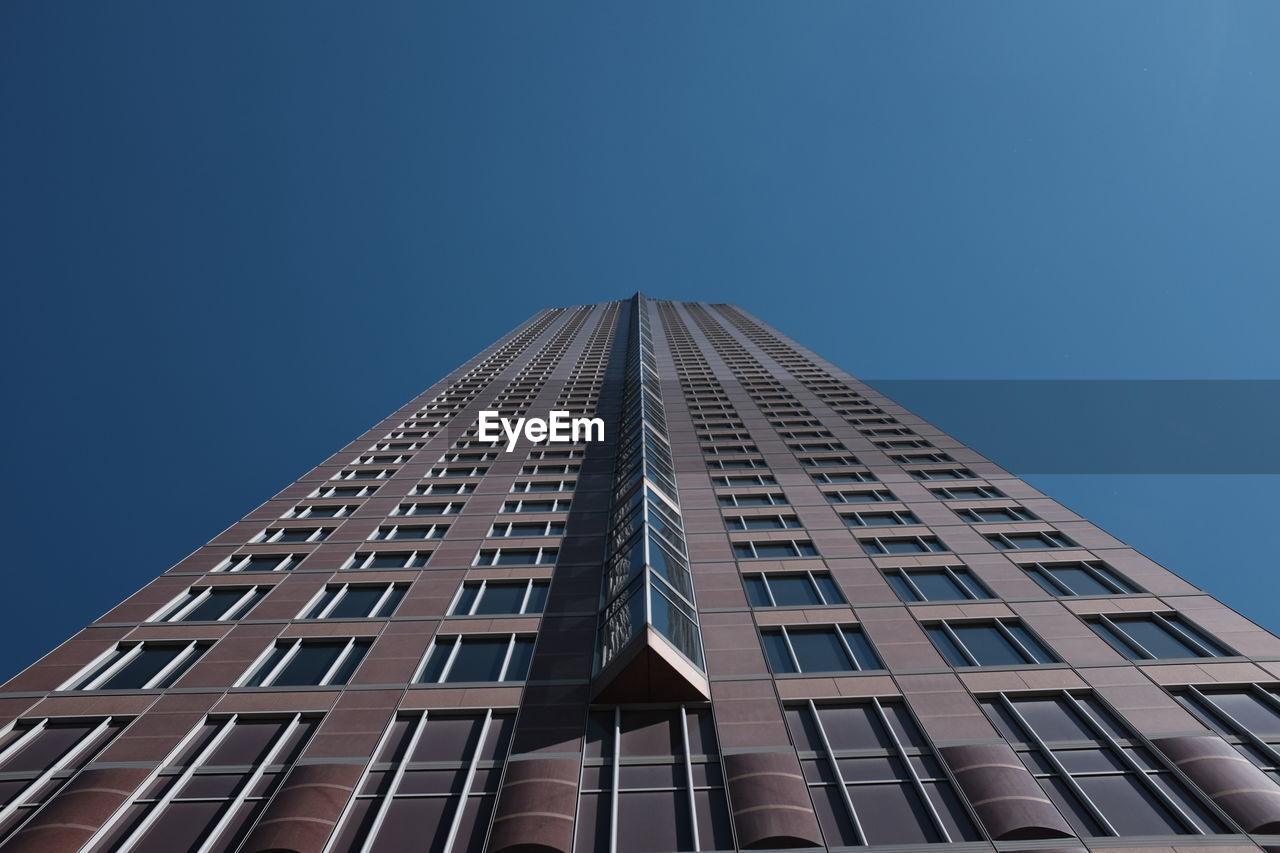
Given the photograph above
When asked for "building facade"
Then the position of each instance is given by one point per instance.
(770, 610)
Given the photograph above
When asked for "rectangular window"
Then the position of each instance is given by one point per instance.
(992, 642)
(443, 489)
(1156, 636)
(307, 662)
(527, 528)
(477, 658)
(829, 461)
(745, 480)
(494, 597)
(355, 601)
(761, 522)
(859, 496)
(899, 443)
(771, 499)
(364, 474)
(1097, 772)
(314, 511)
(945, 583)
(967, 493)
(792, 589)
(410, 531)
(994, 514)
(1247, 717)
(544, 468)
(258, 563)
(389, 559)
(1079, 578)
(139, 666)
(809, 649)
(457, 471)
(517, 556)
(942, 474)
(651, 781)
(38, 757)
(874, 777)
(879, 519)
(736, 464)
(918, 458)
(431, 785)
(543, 485)
(211, 604)
(536, 506)
(846, 477)
(210, 790)
(1028, 541)
(435, 508)
(343, 492)
(902, 545)
(293, 534)
(769, 549)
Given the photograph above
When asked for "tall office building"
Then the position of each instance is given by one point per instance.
(770, 610)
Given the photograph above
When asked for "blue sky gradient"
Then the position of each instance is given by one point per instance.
(235, 235)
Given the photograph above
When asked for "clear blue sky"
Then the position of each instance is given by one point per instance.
(234, 235)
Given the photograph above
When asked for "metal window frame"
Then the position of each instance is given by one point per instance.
(186, 602)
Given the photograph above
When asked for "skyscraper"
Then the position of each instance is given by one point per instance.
(767, 609)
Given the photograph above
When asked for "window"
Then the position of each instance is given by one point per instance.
(874, 777)
(410, 531)
(543, 485)
(37, 757)
(829, 461)
(1100, 775)
(736, 464)
(389, 560)
(1028, 541)
(527, 528)
(207, 795)
(651, 780)
(258, 563)
(431, 785)
(773, 549)
(138, 666)
(942, 474)
(967, 493)
(293, 534)
(792, 589)
(993, 642)
(477, 657)
(745, 480)
(999, 513)
(548, 468)
(458, 471)
(355, 601)
(918, 458)
(902, 545)
(946, 583)
(536, 506)
(846, 477)
(861, 496)
(830, 648)
(880, 519)
(761, 522)
(312, 662)
(897, 443)
(516, 556)
(1079, 578)
(1246, 717)
(771, 499)
(313, 511)
(443, 489)
(364, 474)
(1156, 636)
(211, 604)
(489, 597)
(343, 492)
(446, 508)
